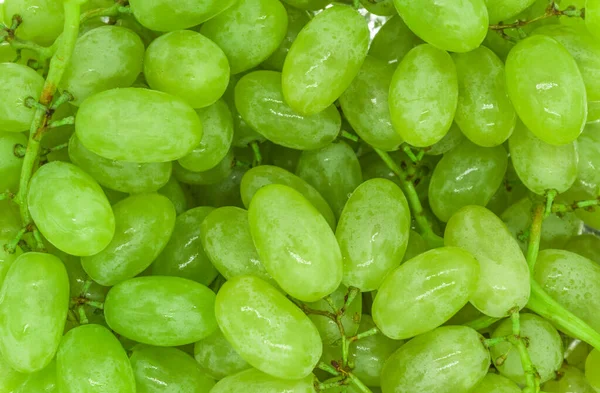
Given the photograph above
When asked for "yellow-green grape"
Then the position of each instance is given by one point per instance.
(10, 218)
(33, 308)
(543, 344)
(373, 233)
(423, 95)
(42, 19)
(216, 356)
(211, 176)
(157, 369)
(162, 311)
(309, 5)
(297, 19)
(570, 380)
(547, 89)
(504, 10)
(17, 82)
(572, 280)
(453, 138)
(70, 209)
(251, 312)
(393, 41)
(105, 367)
(425, 292)
(131, 124)
(452, 25)
(379, 7)
(176, 195)
(311, 80)
(416, 246)
(10, 164)
(588, 152)
(540, 165)
(255, 381)
(504, 276)
(183, 256)
(592, 365)
(43, 381)
(593, 112)
(466, 175)
(6, 258)
(246, 42)
(295, 243)
(592, 17)
(188, 65)
(586, 245)
(10, 379)
(576, 352)
(454, 356)
(484, 113)
(259, 100)
(104, 58)
(365, 105)
(496, 383)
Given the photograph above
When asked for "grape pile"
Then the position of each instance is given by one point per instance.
(299, 196)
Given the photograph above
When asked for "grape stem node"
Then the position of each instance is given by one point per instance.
(551, 11)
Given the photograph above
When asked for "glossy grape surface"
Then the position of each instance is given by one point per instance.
(17, 82)
(503, 10)
(255, 381)
(297, 19)
(216, 356)
(495, 383)
(393, 41)
(42, 19)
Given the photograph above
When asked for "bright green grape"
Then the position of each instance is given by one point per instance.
(17, 82)
(586, 245)
(416, 246)
(216, 356)
(504, 276)
(43, 381)
(70, 209)
(452, 25)
(592, 365)
(187, 65)
(10, 165)
(423, 95)
(42, 19)
(393, 41)
(10, 380)
(467, 175)
(324, 59)
(546, 89)
(592, 17)
(284, 157)
(176, 195)
(211, 176)
(382, 7)
(158, 369)
(163, 311)
(453, 356)
(579, 192)
(373, 233)
(297, 19)
(588, 152)
(138, 125)
(453, 138)
(571, 380)
(504, 10)
(255, 381)
(309, 5)
(183, 255)
(495, 383)
(295, 244)
(267, 329)
(6, 259)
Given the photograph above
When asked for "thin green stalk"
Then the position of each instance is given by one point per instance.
(360, 336)
(531, 375)
(408, 151)
(83, 320)
(62, 122)
(358, 383)
(113, 10)
(11, 247)
(330, 383)
(535, 234)
(490, 342)
(586, 204)
(327, 368)
(481, 322)
(257, 155)
(349, 136)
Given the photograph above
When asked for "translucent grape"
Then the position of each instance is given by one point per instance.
(255, 381)
(588, 152)
(592, 17)
(586, 245)
(6, 259)
(42, 19)
(382, 8)
(416, 246)
(591, 365)
(176, 195)
(17, 82)
(43, 381)
(453, 138)
(216, 356)
(393, 41)
(10, 165)
(297, 19)
(570, 380)
(495, 383)
(310, 5)
(211, 176)
(503, 10)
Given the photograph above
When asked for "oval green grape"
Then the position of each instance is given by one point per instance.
(381, 8)
(213, 175)
(297, 19)
(43, 381)
(216, 356)
(591, 364)
(255, 381)
(592, 17)
(17, 82)
(586, 245)
(496, 383)
(176, 194)
(10, 380)
(504, 10)
(309, 5)
(10, 165)
(571, 380)
(43, 20)
(393, 41)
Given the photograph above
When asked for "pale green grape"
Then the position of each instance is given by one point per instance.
(78, 278)
(310, 5)
(504, 276)
(381, 7)
(176, 195)
(373, 233)
(588, 152)
(393, 41)
(6, 259)
(160, 370)
(17, 82)
(255, 381)
(216, 356)
(542, 166)
(10, 380)
(425, 292)
(211, 176)
(423, 95)
(42, 19)
(452, 25)
(546, 89)
(295, 243)
(593, 112)
(183, 256)
(495, 383)
(187, 65)
(543, 344)
(267, 329)
(592, 365)
(130, 22)
(499, 45)
(105, 367)
(33, 307)
(246, 42)
(297, 19)
(579, 192)
(592, 17)
(284, 157)
(504, 10)
(243, 135)
(224, 193)
(138, 125)
(466, 314)
(416, 246)
(570, 380)
(453, 138)
(586, 245)
(466, 175)
(70, 209)
(453, 357)
(324, 58)
(163, 311)
(10, 165)
(576, 352)
(43, 381)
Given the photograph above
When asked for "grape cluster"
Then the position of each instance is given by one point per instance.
(299, 196)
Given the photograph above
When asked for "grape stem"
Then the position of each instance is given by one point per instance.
(588, 205)
(551, 11)
(347, 135)
(43, 52)
(257, 155)
(114, 10)
(531, 375)
(481, 322)
(535, 234)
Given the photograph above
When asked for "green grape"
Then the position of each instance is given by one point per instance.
(453, 138)
(267, 329)
(466, 175)
(17, 82)
(365, 105)
(295, 243)
(130, 22)
(33, 309)
(187, 65)
(572, 280)
(498, 44)
(78, 278)
(484, 113)
(466, 314)
(263, 175)
(543, 344)
(380, 7)
(592, 365)
(217, 358)
(586, 245)
(546, 89)
(425, 292)
(454, 358)
(211, 176)
(542, 166)
(243, 135)
(42, 19)
(165, 15)
(503, 10)
(114, 196)
(105, 367)
(570, 380)
(104, 58)
(129, 125)
(70, 209)
(246, 42)
(495, 383)
(176, 195)
(224, 193)
(10, 380)
(324, 59)
(255, 381)
(588, 152)
(183, 256)
(43, 381)
(144, 224)
(6, 259)
(373, 233)
(423, 95)
(162, 311)
(593, 112)
(456, 26)
(309, 5)
(576, 351)
(284, 157)
(10, 165)
(297, 19)
(416, 246)
(592, 17)
(504, 275)
(393, 41)
(158, 369)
